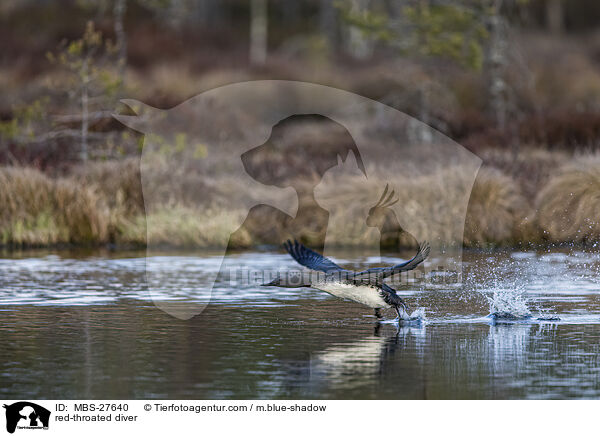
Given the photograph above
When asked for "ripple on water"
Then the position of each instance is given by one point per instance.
(517, 284)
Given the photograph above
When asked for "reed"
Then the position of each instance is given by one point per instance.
(38, 210)
(568, 208)
(496, 210)
(102, 202)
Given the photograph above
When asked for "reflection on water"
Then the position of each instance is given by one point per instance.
(308, 350)
(86, 328)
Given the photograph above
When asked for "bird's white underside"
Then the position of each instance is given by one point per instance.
(367, 295)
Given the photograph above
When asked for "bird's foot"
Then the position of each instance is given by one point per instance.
(402, 313)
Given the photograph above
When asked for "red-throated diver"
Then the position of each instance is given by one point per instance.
(365, 287)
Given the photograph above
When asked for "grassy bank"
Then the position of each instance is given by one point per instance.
(539, 197)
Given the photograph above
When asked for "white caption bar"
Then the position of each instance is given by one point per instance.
(277, 417)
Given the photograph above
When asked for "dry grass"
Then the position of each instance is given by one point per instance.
(428, 205)
(496, 209)
(38, 210)
(118, 181)
(184, 227)
(530, 168)
(568, 208)
(102, 202)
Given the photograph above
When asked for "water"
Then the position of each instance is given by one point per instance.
(79, 326)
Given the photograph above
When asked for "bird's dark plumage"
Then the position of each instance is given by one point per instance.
(315, 261)
(309, 258)
(365, 287)
(384, 272)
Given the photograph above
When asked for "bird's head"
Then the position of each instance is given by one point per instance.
(377, 214)
(275, 282)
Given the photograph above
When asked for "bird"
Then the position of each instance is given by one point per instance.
(365, 287)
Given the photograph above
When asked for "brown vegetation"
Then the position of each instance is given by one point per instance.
(38, 210)
(568, 207)
(102, 203)
(496, 210)
(531, 188)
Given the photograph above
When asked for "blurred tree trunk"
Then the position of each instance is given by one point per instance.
(258, 32)
(85, 82)
(209, 12)
(502, 102)
(555, 16)
(424, 132)
(290, 10)
(328, 22)
(119, 9)
(176, 12)
(497, 63)
(358, 44)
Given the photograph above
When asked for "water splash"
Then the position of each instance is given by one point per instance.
(415, 318)
(508, 304)
(417, 314)
(512, 288)
(544, 314)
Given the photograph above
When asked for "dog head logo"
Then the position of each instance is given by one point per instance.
(257, 161)
(26, 415)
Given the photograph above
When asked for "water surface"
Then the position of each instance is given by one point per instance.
(84, 326)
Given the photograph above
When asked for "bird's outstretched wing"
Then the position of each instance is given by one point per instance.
(382, 273)
(309, 258)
